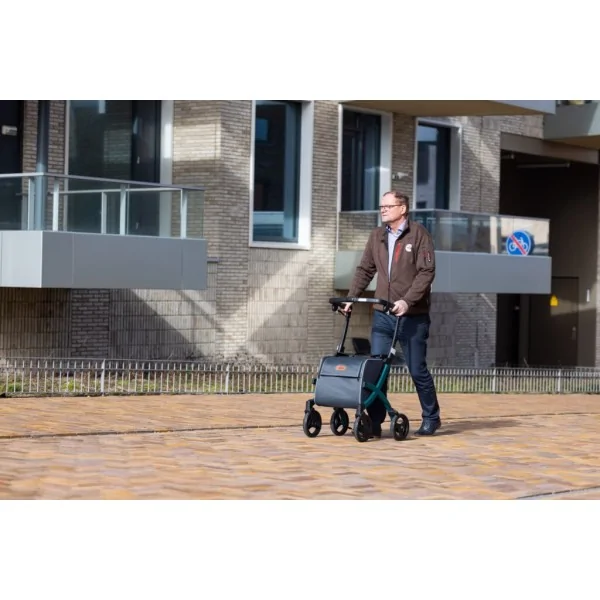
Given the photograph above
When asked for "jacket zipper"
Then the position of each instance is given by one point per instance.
(392, 264)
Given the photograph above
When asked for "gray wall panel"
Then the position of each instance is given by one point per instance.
(21, 258)
(57, 259)
(462, 272)
(57, 263)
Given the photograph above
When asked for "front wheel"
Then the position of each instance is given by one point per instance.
(312, 423)
(400, 427)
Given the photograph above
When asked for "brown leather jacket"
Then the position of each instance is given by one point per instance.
(413, 268)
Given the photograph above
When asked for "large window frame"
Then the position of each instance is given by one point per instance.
(385, 157)
(165, 166)
(455, 133)
(304, 181)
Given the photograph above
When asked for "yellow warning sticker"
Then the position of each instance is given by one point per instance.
(553, 300)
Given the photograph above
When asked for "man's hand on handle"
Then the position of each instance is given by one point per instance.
(346, 307)
(400, 307)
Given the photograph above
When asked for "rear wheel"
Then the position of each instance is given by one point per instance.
(362, 428)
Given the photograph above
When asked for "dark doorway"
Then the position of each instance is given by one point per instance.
(11, 142)
(567, 193)
(553, 322)
(508, 330)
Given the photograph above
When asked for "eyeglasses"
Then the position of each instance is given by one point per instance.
(388, 206)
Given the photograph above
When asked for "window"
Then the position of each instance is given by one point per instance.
(114, 139)
(361, 160)
(281, 178)
(438, 164)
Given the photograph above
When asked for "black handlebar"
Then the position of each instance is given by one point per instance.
(336, 303)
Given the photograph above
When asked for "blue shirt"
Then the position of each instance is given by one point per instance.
(392, 237)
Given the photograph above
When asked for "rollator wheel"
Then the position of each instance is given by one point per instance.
(339, 421)
(312, 423)
(400, 427)
(362, 428)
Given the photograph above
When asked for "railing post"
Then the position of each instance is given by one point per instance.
(55, 205)
(123, 211)
(495, 381)
(103, 212)
(559, 382)
(102, 374)
(227, 379)
(183, 212)
(31, 202)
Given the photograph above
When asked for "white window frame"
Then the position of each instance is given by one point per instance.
(306, 183)
(165, 165)
(385, 166)
(456, 135)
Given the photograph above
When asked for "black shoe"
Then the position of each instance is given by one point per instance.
(428, 427)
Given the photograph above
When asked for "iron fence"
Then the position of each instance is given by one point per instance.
(63, 377)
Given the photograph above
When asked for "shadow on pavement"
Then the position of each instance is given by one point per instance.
(453, 427)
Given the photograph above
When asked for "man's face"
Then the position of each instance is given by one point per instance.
(390, 209)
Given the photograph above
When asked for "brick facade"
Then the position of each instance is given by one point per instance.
(261, 304)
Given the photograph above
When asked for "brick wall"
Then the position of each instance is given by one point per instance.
(278, 322)
(324, 209)
(34, 323)
(89, 324)
(354, 230)
(234, 206)
(163, 324)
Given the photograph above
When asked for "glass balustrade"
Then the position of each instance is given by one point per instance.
(46, 201)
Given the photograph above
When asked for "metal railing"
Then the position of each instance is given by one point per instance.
(63, 377)
(31, 193)
(460, 231)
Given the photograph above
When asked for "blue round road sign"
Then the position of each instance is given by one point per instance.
(519, 243)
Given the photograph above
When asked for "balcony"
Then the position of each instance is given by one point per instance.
(475, 252)
(575, 122)
(63, 231)
(458, 108)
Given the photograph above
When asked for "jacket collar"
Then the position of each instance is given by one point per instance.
(383, 230)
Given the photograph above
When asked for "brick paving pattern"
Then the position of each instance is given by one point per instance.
(253, 447)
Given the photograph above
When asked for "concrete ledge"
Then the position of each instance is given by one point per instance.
(57, 259)
(465, 272)
(457, 108)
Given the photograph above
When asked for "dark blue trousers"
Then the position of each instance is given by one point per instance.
(413, 333)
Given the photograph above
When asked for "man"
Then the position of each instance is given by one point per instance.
(401, 253)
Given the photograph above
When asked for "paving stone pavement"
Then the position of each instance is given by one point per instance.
(253, 447)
